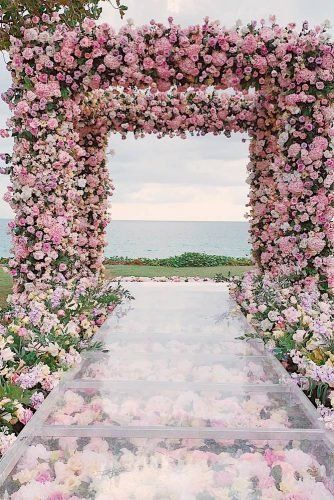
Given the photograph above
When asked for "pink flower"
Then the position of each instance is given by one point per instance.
(148, 63)
(249, 44)
(25, 415)
(294, 149)
(316, 244)
(52, 123)
(44, 477)
(111, 62)
(57, 495)
(39, 255)
(22, 332)
(130, 58)
(28, 53)
(218, 58)
(188, 66)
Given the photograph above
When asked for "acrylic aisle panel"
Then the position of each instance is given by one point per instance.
(150, 468)
(174, 406)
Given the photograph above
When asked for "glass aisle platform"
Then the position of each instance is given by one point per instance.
(174, 407)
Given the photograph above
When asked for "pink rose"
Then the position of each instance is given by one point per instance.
(52, 123)
(315, 244)
(39, 255)
(28, 53)
(25, 416)
(218, 58)
(189, 67)
(111, 62)
(148, 63)
(130, 58)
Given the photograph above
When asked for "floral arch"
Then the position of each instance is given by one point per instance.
(60, 174)
(71, 87)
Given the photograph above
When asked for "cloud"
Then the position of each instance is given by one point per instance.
(156, 202)
(227, 11)
(174, 6)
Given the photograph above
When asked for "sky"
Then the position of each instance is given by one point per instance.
(200, 178)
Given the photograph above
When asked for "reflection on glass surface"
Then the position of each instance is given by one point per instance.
(215, 369)
(150, 469)
(145, 407)
(165, 344)
(203, 308)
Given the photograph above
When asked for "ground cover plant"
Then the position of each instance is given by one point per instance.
(187, 259)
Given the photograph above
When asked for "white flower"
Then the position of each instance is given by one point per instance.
(273, 316)
(282, 138)
(6, 354)
(26, 193)
(82, 182)
(299, 336)
(266, 325)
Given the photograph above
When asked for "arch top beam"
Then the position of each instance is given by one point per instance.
(174, 113)
(96, 56)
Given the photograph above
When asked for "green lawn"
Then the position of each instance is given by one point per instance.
(5, 287)
(145, 271)
(150, 271)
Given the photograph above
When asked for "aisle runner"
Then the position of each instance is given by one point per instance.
(173, 408)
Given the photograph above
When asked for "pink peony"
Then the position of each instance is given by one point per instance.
(249, 44)
(316, 244)
(28, 53)
(111, 62)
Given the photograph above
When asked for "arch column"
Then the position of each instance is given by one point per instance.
(43, 195)
(92, 211)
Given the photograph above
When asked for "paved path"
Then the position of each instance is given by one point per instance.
(173, 408)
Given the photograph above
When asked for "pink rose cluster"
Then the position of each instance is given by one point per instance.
(56, 469)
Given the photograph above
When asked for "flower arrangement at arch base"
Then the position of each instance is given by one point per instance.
(296, 321)
(41, 336)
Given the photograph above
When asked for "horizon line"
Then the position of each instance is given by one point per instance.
(158, 220)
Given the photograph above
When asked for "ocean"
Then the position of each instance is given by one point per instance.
(165, 238)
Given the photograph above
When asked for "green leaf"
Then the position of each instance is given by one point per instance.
(276, 473)
(27, 83)
(25, 134)
(65, 92)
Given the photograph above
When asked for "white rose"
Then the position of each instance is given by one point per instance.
(266, 325)
(82, 182)
(299, 336)
(26, 193)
